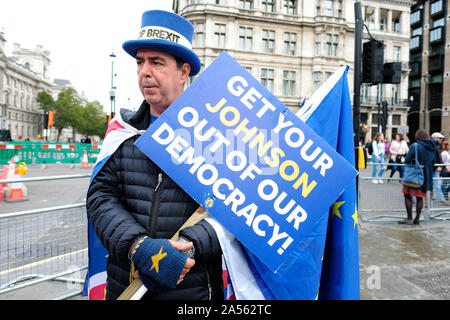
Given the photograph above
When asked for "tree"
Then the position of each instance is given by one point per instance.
(88, 120)
(68, 110)
(92, 120)
(45, 100)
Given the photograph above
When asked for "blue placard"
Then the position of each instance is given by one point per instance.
(247, 159)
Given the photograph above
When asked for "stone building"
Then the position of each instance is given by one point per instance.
(293, 46)
(22, 77)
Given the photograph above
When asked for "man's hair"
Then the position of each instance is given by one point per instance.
(179, 62)
(421, 134)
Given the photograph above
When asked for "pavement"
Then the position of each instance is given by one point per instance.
(397, 262)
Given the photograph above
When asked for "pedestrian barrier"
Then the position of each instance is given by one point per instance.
(43, 244)
(385, 201)
(47, 152)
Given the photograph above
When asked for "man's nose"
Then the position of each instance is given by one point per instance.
(147, 70)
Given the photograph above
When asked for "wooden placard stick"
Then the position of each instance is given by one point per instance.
(136, 289)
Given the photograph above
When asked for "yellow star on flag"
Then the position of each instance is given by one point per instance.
(156, 259)
(336, 206)
(355, 217)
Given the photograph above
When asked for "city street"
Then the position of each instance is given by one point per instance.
(397, 262)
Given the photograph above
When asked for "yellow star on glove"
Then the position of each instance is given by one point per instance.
(156, 259)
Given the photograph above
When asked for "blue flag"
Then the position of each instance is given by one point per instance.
(332, 120)
(325, 265)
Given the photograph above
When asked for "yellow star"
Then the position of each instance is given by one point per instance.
(336, 206)
(156, 259)
(355, 217)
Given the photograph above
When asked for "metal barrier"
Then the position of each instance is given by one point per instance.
(385, 201)
(43, 244)
(47, 152)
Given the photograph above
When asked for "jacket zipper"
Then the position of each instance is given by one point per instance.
(155, 206)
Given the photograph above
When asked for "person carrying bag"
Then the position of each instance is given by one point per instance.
(413, 176)
(418, 177)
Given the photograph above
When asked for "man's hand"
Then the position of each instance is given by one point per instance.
(183, 246)
(180, 246)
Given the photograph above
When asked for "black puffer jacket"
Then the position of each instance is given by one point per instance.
(123, 205)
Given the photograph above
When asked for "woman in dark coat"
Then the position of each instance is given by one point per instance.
(426, 154)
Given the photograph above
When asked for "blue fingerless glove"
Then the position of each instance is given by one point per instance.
(157, 259)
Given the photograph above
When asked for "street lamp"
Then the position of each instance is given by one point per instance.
(112, 92)
(426, 79)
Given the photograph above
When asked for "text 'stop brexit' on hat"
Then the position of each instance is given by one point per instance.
(168, 32)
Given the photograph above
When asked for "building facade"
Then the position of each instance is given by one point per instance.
(293, 46)
(22, 77)
(429, 82)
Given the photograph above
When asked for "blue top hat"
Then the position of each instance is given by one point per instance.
(168, 32)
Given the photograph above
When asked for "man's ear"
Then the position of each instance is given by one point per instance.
(185, 70)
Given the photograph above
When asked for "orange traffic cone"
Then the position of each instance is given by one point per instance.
(85, 162)
(16, 191)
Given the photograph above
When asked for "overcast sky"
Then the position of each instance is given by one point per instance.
(80, 36)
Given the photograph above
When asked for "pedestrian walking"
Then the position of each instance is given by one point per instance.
(426, 154)
(445, 173)
(378, 148)
(437, 191)
(398, 150)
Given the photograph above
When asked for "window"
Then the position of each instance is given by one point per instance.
(415, 16)
(396, 119)
(288, 83)
(268, 41)
(436, 7)
(245, 38)
(332, 45)
(222, 2)
(246, 4)
(199, 36)
(219, 35)
(397, 53)
(268, 5)
(328, 8)
(290, 43)
(436, 34)
(267, 78)
(318, 44)
(438, 23)
(414, 42)
(395, 94)
(416, 32)
(290, 7)
(317, 76)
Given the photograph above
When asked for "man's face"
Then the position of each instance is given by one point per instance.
(160, 80)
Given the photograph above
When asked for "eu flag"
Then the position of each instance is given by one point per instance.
(329, 113)
(325, 265)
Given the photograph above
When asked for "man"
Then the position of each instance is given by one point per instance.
(132, 204)
(437, 191)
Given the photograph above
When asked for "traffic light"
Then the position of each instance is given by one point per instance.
(372, 62)
(392, 72)
(46, 120)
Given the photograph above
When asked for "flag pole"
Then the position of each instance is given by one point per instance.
(357, 84)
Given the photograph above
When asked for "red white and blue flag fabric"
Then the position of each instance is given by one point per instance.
(95, 284)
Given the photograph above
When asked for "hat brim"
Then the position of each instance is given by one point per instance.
(177, 50)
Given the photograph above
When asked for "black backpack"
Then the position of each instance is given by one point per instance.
(369, 147)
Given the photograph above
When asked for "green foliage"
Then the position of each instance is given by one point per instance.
(87, 120)
(45, 101)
